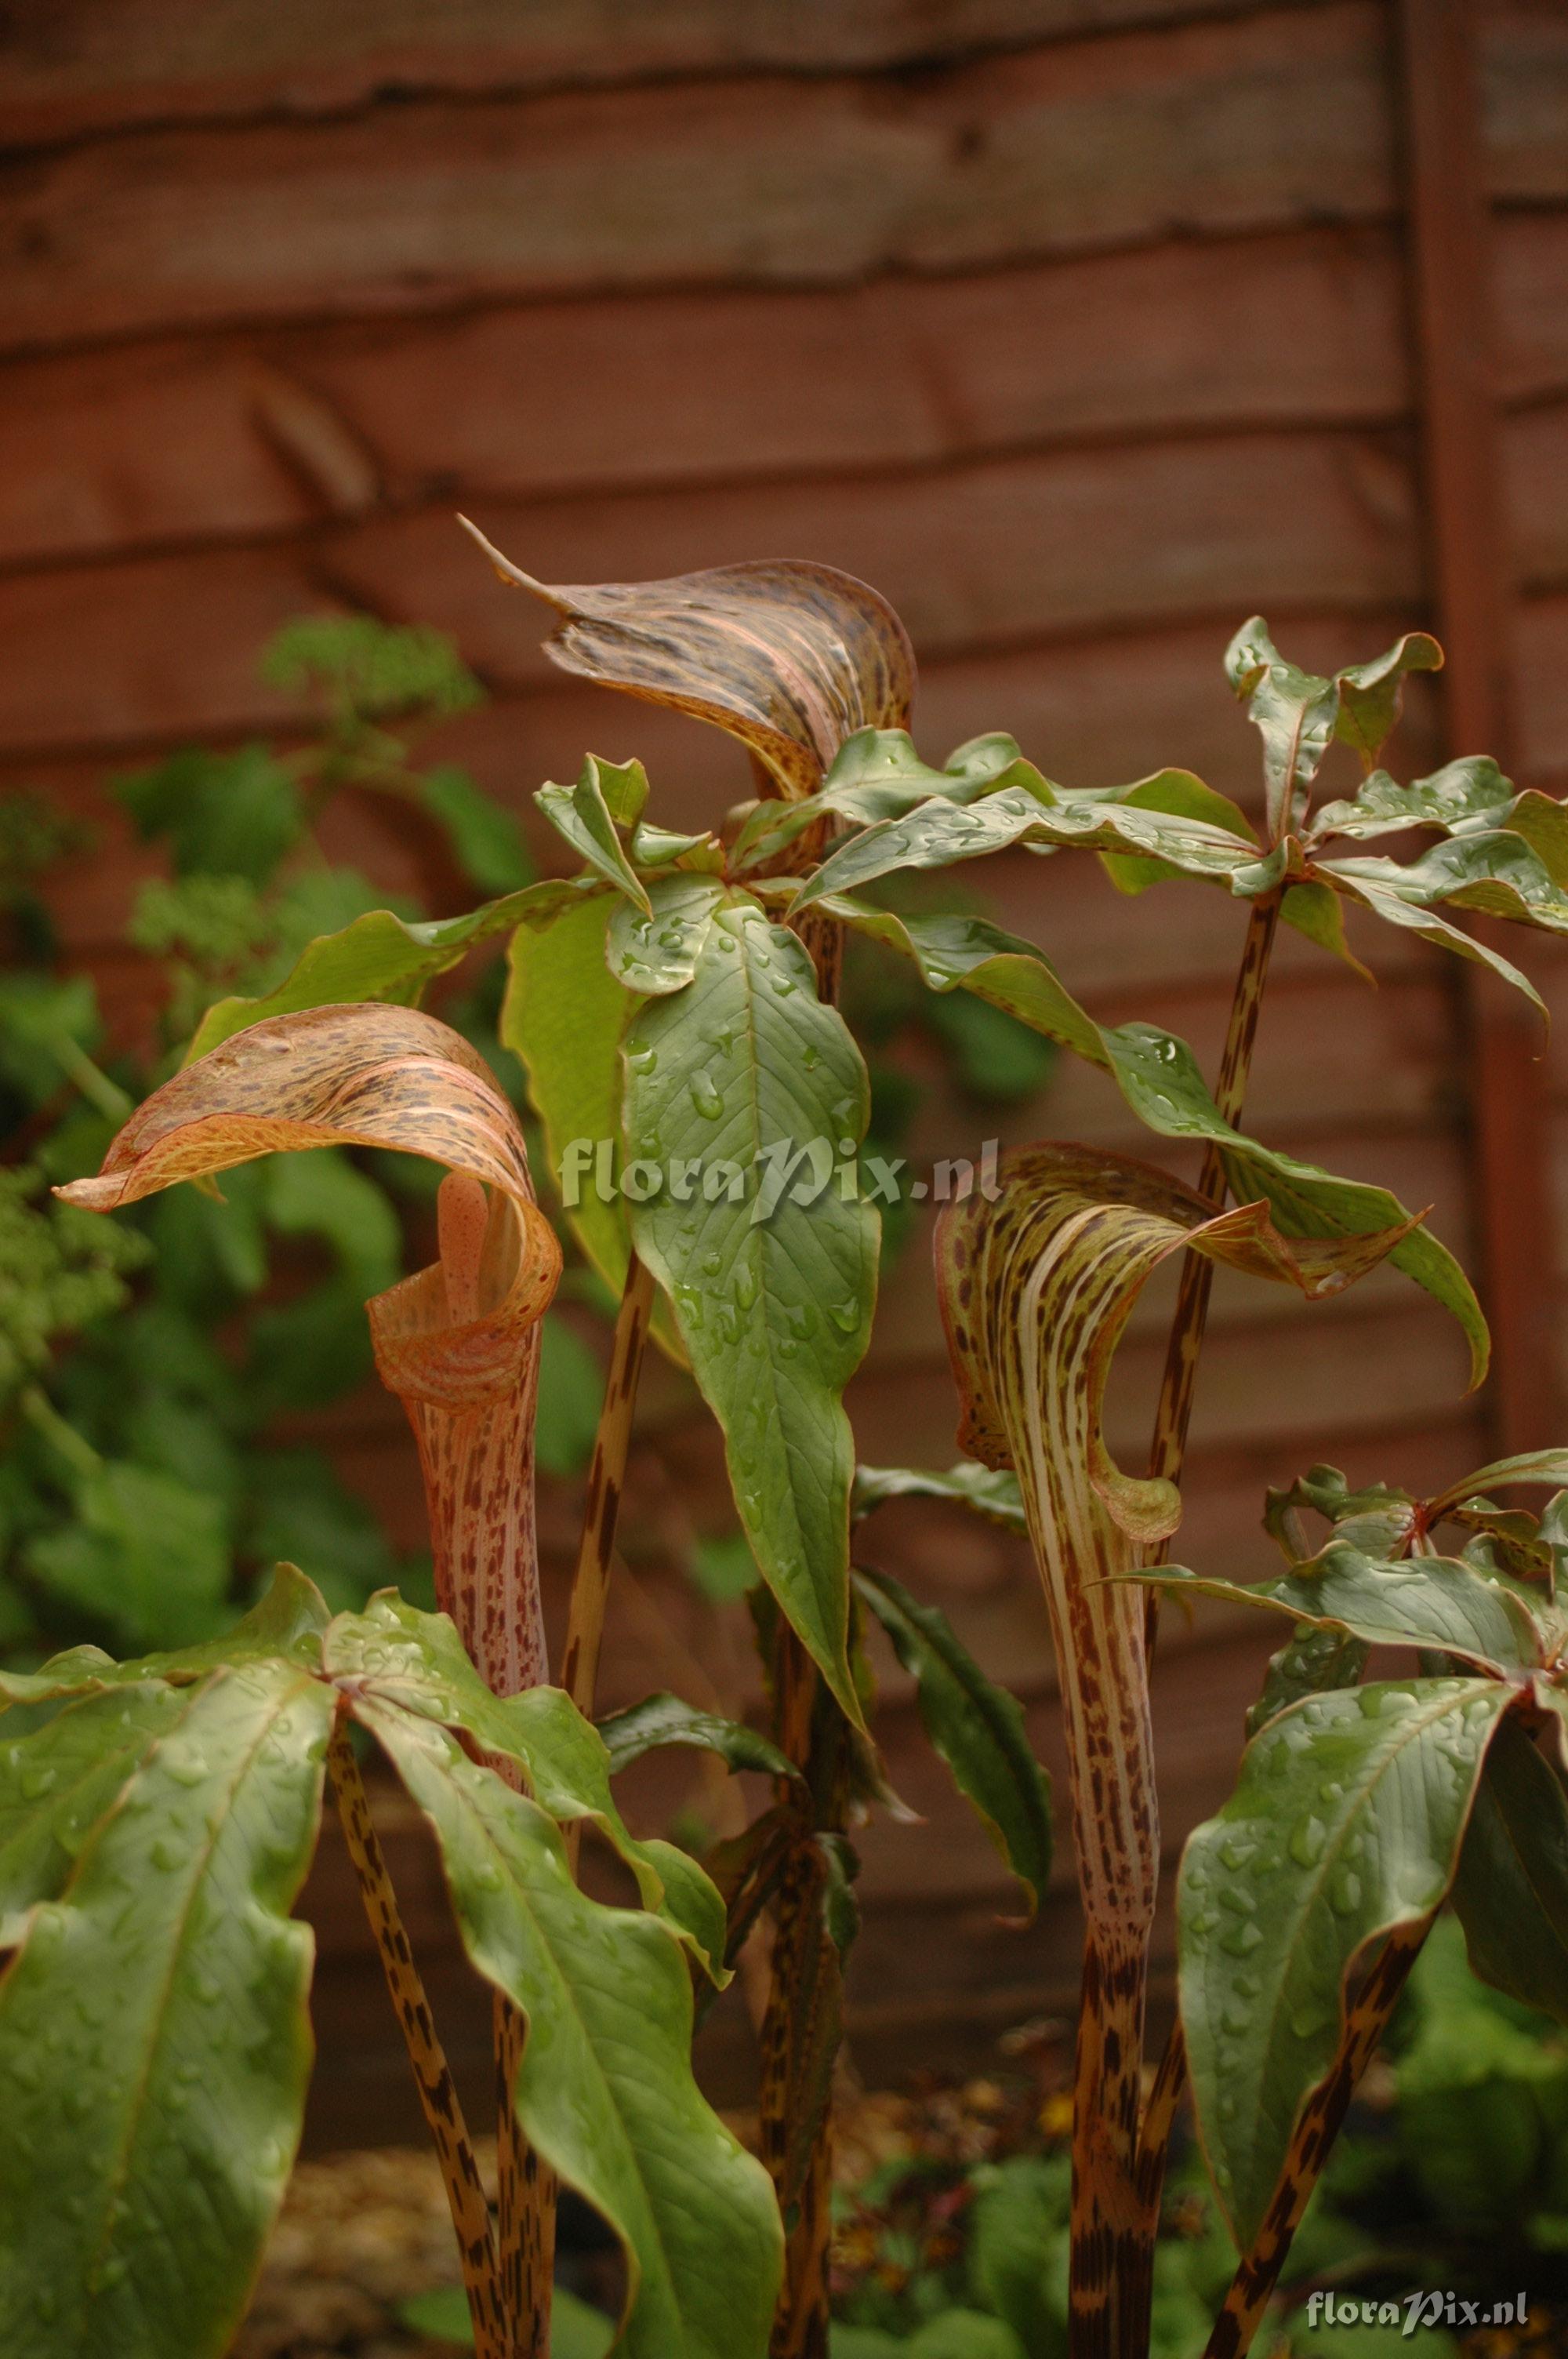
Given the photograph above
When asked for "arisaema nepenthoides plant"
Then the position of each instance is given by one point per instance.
(675, 1005)
(159, 1816)
(654, 946)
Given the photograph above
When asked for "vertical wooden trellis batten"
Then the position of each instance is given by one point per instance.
(1473, 589)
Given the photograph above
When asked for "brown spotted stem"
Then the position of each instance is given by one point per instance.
(1173, 1415)
(606, 1482)
(1172, 1419)
(1253, 2284)
(432, 2074)
(803, 1968)
(527, 2189)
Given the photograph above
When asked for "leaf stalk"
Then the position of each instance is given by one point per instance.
(438, 2097)
(1172, 1421)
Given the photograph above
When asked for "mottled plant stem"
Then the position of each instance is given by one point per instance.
(606, 1481)
(432, 2076)
(528, 2190)
(1173, 1415)
(1173, 1419)
(1369, 2018)
(526, 2201)
(804, 1721)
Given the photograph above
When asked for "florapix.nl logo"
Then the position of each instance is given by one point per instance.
(785, 1171)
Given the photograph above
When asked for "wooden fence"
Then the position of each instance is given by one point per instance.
(1083, 329)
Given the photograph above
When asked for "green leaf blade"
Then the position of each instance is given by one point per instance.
(1159, 1079)
(1428, 1602)
(990, 1491)
(1510, 1892)
(379, 957)
(586, 816)
(657, 952)
(774, 1305)
(976, 1726)
(664, 1719)
(59, 1780)
(1345, 1821)
(565, 1015)
(393, 1653)
(605, 2091)
(154, 2033)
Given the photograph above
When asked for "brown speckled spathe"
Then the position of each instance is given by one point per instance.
(466, 1369)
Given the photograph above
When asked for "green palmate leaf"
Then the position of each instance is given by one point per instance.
(1510, 1892)
(665, 1720)
(586, 815)
(1345, 1821)
(605, 2092)
(1381, 886)
(956, 951)
(990, 1491)
(1528, 1466)
(154, 2036)
(1294, 710)
(1471, 792)
(1182, 795)
(745, 1090)
(791, 657)
(940, 833)
(285, 1624)
(1298, 713)
(976, 1726)
(1159, 1077)
(625, 786)
(1430, 1601)
(379, 957)
(1375, 1520)
(1371, 694)
(657, 952)
(394, 1654)
(877, 774)
(1494, 872)
(486, 840)
(58, 1781)
(1542, 822)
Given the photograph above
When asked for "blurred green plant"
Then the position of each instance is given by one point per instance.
(144, 1364)
(1451, 2177)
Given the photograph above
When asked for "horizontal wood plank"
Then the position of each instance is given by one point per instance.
(219, 437)
(1008, 551)
(228, 437)
(1277, 118)
(72, 67)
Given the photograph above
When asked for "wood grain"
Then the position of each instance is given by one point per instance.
(1274, 118)
(73, 67)
(188, 439)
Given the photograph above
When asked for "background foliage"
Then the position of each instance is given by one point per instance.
(151, 1367)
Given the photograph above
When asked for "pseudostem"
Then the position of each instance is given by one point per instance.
(439, 2098)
